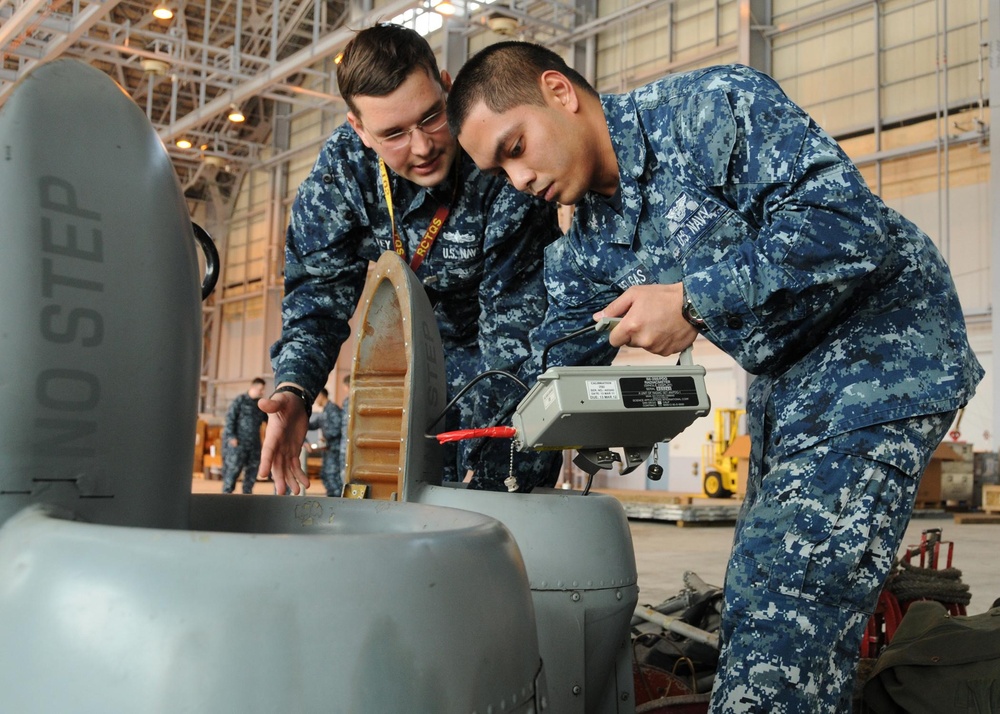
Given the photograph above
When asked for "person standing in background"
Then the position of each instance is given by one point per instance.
(330, 421)
(241, 439)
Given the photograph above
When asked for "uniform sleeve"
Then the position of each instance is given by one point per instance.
(809, 231)
(324, 274)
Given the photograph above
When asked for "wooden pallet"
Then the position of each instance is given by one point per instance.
(980, 518)
(684, 509)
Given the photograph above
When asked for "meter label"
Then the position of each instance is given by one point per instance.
(602, 389)
(652, 392)
(548, 396)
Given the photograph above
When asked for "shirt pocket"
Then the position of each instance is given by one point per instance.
(590, 279)
(697, 232)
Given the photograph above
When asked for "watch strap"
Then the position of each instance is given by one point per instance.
(300, 393)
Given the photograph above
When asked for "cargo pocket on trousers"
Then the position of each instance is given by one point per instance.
(845, 530)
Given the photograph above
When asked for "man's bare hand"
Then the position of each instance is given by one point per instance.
(651, 319)
(283, 439)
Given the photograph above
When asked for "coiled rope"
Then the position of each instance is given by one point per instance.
(910, 582)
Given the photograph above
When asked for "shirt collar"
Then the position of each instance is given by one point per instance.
(626, 135)
(412, 196)
(618, 218)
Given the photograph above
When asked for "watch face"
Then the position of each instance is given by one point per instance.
(691, 314)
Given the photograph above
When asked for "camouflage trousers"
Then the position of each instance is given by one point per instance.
(235, 460)
(814, 543)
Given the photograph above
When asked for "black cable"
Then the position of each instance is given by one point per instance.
(560, 340)
(465, 389)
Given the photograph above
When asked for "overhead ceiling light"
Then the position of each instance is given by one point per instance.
(183, 144)
(162, 12)
(502, 25)
(154, 66)
(235, 115)
(445, 8)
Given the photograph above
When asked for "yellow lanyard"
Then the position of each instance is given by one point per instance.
(430, 235)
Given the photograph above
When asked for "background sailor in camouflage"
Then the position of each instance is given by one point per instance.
(330, 422)
(241, 439)
(483, 272)
(709, 202)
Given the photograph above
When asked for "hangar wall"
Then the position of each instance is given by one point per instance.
(902, 84)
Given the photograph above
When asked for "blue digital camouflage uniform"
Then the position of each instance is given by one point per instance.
(844, 310)
(243, 421)
(483, 274)
(331, 424)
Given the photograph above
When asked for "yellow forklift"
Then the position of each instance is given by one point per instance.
(718, 472)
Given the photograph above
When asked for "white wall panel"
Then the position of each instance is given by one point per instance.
(685, 34)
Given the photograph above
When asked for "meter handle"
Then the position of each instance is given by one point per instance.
(606, 324)
(609, 323)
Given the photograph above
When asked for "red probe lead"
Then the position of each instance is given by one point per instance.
(501, 432)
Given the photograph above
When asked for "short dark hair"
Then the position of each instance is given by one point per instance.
(503, 76)
(379, 59)
(257, 380)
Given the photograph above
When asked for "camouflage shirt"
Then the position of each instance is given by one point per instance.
(483, 273)
(243, 421)
(843, 308)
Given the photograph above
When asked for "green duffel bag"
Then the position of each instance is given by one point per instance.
(938, 664)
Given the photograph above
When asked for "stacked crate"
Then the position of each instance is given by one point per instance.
(987, 481)
(957, 476)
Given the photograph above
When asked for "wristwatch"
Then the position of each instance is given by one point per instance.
(300, 393)
(690, 312)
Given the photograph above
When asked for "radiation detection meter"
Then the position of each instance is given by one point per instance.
(594, 409)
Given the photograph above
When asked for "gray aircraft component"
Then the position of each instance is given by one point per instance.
(346, 606)
(100, 325)
(341, 606)
(581, 568)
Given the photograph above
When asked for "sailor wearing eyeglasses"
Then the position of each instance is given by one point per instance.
(393, 178)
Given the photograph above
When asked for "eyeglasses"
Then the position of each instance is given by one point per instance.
(399, 140)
